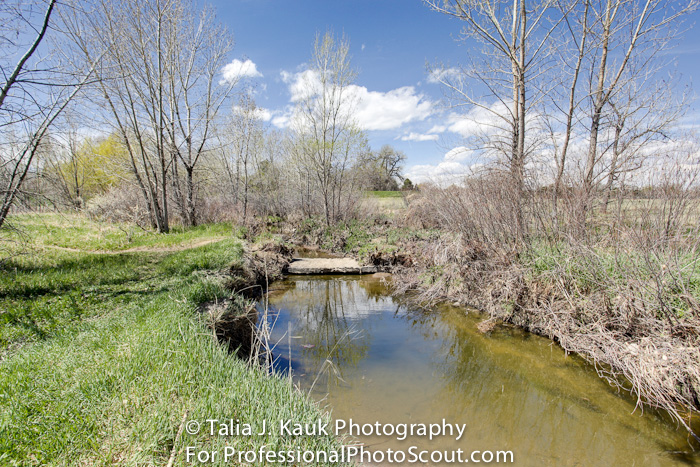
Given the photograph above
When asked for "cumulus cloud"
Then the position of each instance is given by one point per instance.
(452, 169)
(390, 110)
(459, 153)
(281, 120)
(373, 110)
(238, 69)
(302, 85)
(445, 173)
(479, 121)
(437, 129)
(419, 137)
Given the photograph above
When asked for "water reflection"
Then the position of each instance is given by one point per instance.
(515, 391)
(324, 331)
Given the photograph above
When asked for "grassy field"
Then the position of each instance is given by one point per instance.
(385, 194)
(105, 356)
(73, 231)
(388, 203)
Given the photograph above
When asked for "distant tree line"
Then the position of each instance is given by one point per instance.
(120, 107)
(156, 134)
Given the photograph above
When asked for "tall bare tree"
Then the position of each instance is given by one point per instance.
(197, 49)
(158, 77)
(37, 87)
(65, 167)
(125, 41)
(329, 138)
(641, 115)
(247, 131)
(562, 104)
(514, 35)
(625, 32)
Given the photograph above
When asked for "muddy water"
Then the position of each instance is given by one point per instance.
(371, 359)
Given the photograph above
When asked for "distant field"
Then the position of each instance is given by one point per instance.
(384, 194)
(388, 203)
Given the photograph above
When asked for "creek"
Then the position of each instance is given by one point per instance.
(370, 357)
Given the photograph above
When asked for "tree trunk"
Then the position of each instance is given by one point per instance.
(191, 207)
(598, 103)
(612, 174)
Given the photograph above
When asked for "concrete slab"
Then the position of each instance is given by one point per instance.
(328, 266)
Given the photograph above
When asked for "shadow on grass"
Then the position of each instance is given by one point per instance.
(46, 295)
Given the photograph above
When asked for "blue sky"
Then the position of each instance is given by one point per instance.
(391, 43)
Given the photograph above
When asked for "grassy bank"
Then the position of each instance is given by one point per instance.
(105, 355)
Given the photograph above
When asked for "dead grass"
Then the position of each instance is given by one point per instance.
(629, 344)
(622, 290)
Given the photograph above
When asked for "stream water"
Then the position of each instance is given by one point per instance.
(370, 358)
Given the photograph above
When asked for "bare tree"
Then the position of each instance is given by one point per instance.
(300, 173)
(65, 166)
(514, 35)
(37, 87)
(125, 41)
(270, 182)
(246, 130)
(641, 115)
(625, 31)
(197, 50)
(562, 104)
(158, 80)
(329, 139)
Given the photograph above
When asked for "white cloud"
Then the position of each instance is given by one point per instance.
(238, 69)
(282, 119)
(446, 74)
(459, 153)
(444, 173)
(260, 113)
(452, 169)
(419, 137)
(373, 110)
(390, 110)
(479, 121)
(437, 129)
(302, 85)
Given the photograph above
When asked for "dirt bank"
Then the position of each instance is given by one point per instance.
(233, 319)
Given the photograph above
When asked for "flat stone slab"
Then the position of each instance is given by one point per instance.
(328, 266)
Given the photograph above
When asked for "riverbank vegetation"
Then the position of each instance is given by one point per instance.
(577, 218)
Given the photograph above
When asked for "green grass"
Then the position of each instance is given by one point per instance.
(384, 194)
(611, 269)
(386, 203)
(104, 354)
(41, 295)
(78, 232)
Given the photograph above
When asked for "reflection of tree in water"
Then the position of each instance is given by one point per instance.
(511, 389)
(328, 314)
(376, 290)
